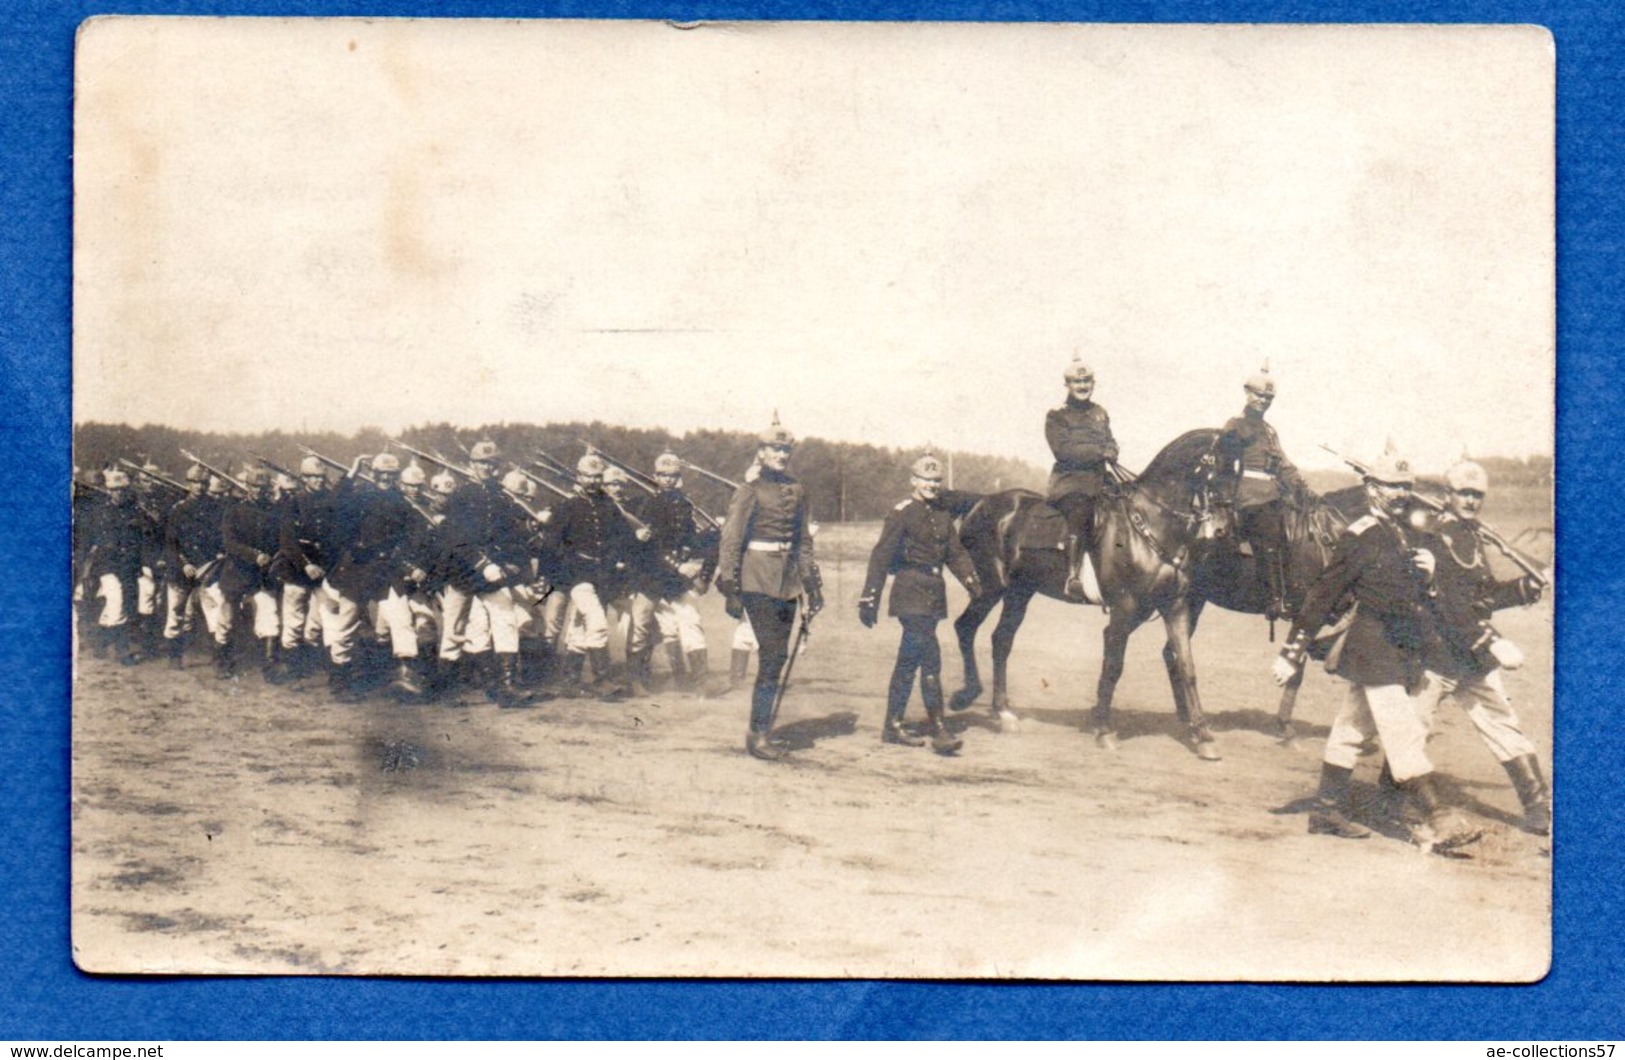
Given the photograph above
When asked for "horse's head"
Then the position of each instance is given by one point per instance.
(1190, 475)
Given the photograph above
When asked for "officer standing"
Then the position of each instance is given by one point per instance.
(1251, 449)
(1381, 657)
(1467, 656)
(766, 566)
(1080, 435)
(916, 542)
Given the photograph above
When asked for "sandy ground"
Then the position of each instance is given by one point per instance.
(236, 827)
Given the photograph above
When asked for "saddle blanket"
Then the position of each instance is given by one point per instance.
(1045, 531)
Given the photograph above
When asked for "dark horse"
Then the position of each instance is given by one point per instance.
(1147, 535)
(1229, 578)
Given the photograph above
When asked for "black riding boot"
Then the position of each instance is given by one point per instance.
(637, 673)
(270, 658)
(175, 648)
(604, 684)
(943, 742)
(1074, 567)
(124, 651)
(738, 668)
(407, 683)
(570, 683)
(225, 661)
(1532, 792)
(1269, 563)
(897, 693)
(760, 741)
(506, 691)
(1442, 829)
(1333, 810)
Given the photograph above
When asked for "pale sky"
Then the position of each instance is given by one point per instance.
(893, 234)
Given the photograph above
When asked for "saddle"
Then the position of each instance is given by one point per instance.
(1044, 530)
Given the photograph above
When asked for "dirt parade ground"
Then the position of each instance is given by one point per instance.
(238, 827)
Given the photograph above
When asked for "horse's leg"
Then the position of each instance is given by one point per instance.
(965, 628)
(1115, 646)
(1284, 729)
(1176, 617)
(1004, 638)
(1181, 705)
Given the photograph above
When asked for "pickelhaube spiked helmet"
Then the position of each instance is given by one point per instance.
(311, 466)
(1078, 370)
(1261, 382)
(388, 463)
(777, 434)
(591, 464)
(485, 451)
(413, 475)
(1392, 469)
(668, 463)
(1468, 475)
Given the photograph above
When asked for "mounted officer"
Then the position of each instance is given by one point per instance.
(1265, 478)
(765, 568)
(1080, 435)
(916, 542)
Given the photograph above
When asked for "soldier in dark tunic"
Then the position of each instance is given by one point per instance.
(192, 544)
(1080, 435)
(594, 543)
(917, 541)
(1467, 655)
(1265, 478)
(1390, 583)
(248, 537)
(765, 568)
(120, 535)
(306, 535)
(677, 569)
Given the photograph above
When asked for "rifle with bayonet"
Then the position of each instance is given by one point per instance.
(650, 485)
(721, 480)
(437, 460)
(155, 476)
(275, 467)
(365, 476)
(1488, 533)
(230, 480)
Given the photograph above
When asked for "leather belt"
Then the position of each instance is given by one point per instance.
(768, 546)
(1252, 473)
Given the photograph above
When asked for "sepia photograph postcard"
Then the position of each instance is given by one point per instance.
(813, 500)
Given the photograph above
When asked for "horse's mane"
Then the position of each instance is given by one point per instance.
(1181, 456)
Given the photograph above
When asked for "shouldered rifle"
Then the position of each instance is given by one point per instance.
(542, 482)
(802, 634)
(161, 479)
(721, 480)
(552, 464)
(438, 461)
(334, 464)
(276, 467)
(1487, 532)
(638, 478)
(218, 473)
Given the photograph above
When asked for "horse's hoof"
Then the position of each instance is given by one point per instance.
(1106, 741)
(1207, 750)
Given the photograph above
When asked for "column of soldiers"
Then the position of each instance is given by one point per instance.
(465, 580)
(386, 579)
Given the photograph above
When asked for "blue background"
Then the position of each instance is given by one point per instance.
(43, 997)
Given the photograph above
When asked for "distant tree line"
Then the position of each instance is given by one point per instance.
(845, 481)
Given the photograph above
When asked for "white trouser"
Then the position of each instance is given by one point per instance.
(184, 599)
(677, 620)
(1487, 705)
(111, 592)
(301, 615)
(146, 594)
(589, 626)
(1389, 714)
(400, 622)
(477, 623)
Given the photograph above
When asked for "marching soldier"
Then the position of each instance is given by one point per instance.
(487, 553)
(1467, 656)
(766, 567)
(681, 561)
(916, 542)
(1265, 478)
(1080, 435)
(369, 576)
(594, 541)
(306, 532)
(121, 536)
(192, 544)
(248, 537)
(1381, 657)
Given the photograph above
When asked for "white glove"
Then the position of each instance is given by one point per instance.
(313, 572)
(1508, 654)
(492, 573)
(1282, 670)
(643, 533)
(1425, 561)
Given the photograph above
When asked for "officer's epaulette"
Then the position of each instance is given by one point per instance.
(903, 504)
(1362, 524)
